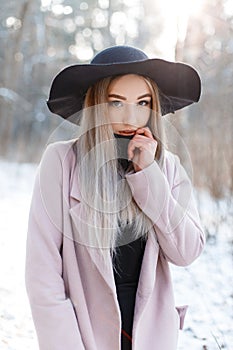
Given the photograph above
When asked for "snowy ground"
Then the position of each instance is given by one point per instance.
(206, 286)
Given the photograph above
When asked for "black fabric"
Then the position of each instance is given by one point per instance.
(123, 54)
(122, 150)
(127, 259)
(127, 266)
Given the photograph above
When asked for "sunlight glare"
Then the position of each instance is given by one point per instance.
(177, 15)
(180, 11)
(183, 7)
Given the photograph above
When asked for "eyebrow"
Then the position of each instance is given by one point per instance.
(117, 96)
(145, 95)
(124, 98)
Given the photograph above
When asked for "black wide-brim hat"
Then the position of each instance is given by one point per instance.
(179, 84)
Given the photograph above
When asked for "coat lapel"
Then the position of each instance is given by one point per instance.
(149, 262)
(75, 193)
(147, 278)
(79, 233)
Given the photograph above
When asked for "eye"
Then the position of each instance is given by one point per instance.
(116, 103)
(144, 103)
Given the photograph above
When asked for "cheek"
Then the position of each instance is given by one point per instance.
(143, 118)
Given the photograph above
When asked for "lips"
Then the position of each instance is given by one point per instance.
(127, 132)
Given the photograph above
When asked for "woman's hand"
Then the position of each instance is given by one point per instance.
(142, 148)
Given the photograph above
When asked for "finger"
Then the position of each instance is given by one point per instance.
(133, 148)
(146, 131)
(136, 149)
(144, 140)
(138, 142)
(130, 152)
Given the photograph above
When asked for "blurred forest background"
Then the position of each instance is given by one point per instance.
(38, 38)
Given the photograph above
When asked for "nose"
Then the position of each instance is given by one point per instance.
(129, 114)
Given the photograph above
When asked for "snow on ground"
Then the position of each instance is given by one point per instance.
(206, 286)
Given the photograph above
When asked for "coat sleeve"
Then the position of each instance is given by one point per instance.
(53, 314)
(169, 202)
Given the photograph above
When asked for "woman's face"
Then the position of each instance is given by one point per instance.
(129, 100)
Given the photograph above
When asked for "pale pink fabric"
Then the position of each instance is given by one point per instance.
(73, 297)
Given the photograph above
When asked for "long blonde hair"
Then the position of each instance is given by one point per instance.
(108, 208)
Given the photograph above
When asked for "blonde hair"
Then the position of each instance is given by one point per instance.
(108, 208)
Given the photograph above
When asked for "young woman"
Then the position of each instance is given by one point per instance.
(111, 208)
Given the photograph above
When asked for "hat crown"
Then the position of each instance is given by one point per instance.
(119, 54)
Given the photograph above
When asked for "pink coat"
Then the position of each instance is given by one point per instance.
(72, 295)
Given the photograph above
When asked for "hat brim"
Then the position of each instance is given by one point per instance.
(179, 84)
